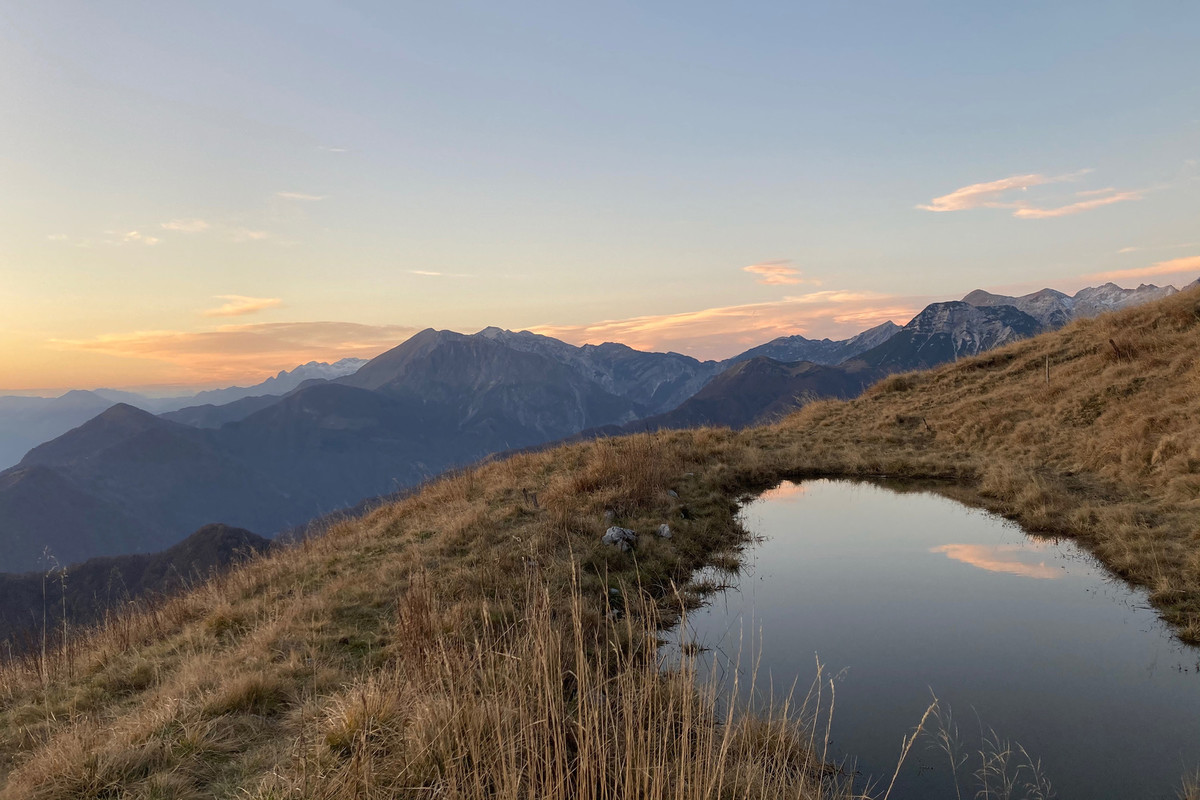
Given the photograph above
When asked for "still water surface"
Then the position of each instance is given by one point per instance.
(904, 593)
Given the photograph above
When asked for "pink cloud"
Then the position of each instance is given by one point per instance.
(1075, 208)
(723, 331)
(775, 273)
(986, 195)
(237, 305)
(1002, 194)
(1011, 559)
(1173, 266)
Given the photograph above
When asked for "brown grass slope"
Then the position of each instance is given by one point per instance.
(463, 642)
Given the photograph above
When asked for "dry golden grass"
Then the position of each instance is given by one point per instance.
(461, 642)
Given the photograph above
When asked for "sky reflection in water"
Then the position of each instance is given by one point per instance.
(904, 594)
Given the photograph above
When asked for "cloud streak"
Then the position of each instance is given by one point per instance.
(247, 235)
(1006, 194)
(774, 273)
(425, 273)
(987, 195)
(238, 305)
(1083, 205)
(1174, 266)
(244, 352)
(723, 331)
(186, 225)
(139, 238)
(307, 198)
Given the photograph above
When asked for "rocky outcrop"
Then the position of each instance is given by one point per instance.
(621, 538)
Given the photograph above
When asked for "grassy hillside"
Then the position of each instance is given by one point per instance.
(477, 639)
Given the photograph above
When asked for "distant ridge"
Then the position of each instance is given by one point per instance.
(26, 422)
(1053, 309)
(820, 351)
(101, 583)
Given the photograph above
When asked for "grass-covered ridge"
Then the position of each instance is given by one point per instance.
(460, 642)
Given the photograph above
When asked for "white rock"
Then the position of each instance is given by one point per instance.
(621, 538)
(664, 531)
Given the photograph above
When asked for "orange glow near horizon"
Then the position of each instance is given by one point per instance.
(247, 353)
(229, 355)
(250, 352)
(724, 331)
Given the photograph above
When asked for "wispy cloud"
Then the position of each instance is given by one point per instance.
(723, 331)
(775, 273)
(237, 305)
(247, 235)
(1183, 246)
(987, 195)
(331, 149)
(140, 238)
(1006, 194)
(1112, 196)
(426, 273)
(57, 237)
(309, 198)
(1174, 266)
(244, 352)
(186, 225)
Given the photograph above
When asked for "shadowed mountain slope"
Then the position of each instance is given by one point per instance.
(490, 390)
(91, 588)
(214, 416)
(136, 483)
(43, 514)
(437, 401)
(26, 422)
(760, 390)
(947, 331)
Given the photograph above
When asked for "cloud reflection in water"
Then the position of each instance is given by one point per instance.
(1012, 559)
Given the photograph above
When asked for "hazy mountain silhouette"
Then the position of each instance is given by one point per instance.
(26, 422)
(789, 349)
(90, 588)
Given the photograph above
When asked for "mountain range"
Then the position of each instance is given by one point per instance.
(789, 349)
(127, 481)
(28, 421)
(1053, 309)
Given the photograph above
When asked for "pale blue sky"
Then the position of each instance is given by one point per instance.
(562, 165)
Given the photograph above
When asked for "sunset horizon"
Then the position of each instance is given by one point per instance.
(279, 188)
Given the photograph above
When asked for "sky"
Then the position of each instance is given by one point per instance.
(206, 193)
